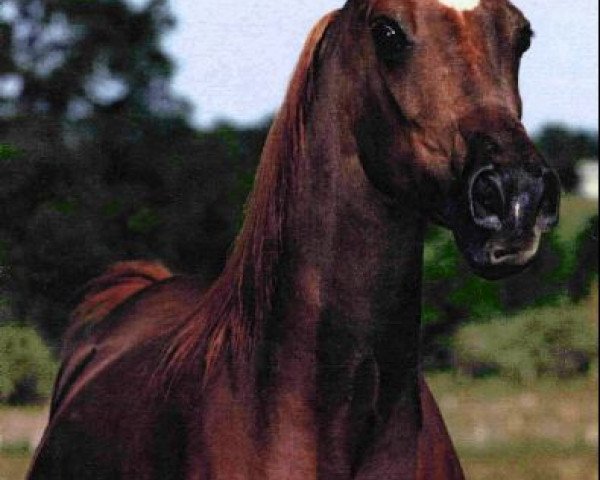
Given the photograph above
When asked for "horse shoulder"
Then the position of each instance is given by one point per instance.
(105, 391)
(139, 316)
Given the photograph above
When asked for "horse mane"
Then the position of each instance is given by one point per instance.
(106, 292)
(230, 315)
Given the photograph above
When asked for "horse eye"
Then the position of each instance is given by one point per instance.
(390, 40)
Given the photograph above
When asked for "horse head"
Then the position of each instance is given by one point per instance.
(434, 88)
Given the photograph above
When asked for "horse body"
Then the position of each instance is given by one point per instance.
(113, 418)
(302, 360)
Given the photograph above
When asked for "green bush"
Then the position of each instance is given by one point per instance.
(554, 340)
(27, 368)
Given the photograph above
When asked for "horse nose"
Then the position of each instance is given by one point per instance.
(514, 200)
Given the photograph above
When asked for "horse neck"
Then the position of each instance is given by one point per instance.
(345, 337)
(324, 286)
(356, 260)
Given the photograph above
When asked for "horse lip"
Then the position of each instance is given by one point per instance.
(498, 259)
(516, 253)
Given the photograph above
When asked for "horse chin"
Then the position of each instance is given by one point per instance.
(497, 272)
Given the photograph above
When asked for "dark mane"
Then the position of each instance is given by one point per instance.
(230, 315)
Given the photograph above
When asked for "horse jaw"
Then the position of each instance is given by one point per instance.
(460, 5)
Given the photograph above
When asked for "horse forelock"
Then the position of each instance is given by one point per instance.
(230, 315)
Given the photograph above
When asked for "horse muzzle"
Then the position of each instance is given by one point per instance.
(508, 209)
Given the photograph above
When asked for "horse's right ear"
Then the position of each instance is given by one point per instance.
(300, 93)
(315, 38)
(304, 71)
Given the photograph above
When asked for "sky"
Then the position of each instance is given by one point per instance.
(234, 58)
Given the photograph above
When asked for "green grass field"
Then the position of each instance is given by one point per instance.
(503, 431)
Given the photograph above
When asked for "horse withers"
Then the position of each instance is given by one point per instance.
(302, 360)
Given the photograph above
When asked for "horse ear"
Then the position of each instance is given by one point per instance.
(304, 71)
(314, 40)
(287, 132)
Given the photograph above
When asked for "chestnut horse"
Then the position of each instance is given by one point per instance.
(302, 360)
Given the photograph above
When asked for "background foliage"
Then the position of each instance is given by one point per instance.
(27, 367)
(557, 340)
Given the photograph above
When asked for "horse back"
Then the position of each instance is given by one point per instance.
(112, 415)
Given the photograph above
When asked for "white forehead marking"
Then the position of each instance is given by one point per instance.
(460, 5)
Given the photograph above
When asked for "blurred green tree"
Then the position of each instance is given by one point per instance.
(586, 267)
(98, 161)
(563, 147)
(68, 59)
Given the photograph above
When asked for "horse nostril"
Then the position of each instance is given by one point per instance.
(486, 199)
(550, 202)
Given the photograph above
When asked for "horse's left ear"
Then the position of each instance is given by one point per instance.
(300, 92)
(307, 64)
(315, 39)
